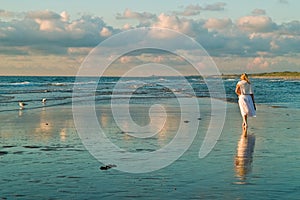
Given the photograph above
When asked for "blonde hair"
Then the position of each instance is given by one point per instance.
(244, 76)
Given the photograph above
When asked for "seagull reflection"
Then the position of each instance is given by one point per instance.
(20, 113)
(243, 159)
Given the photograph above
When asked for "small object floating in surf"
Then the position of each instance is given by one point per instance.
(44, 100)
(106, 167)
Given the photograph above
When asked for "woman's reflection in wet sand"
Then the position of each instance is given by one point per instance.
(243, 159)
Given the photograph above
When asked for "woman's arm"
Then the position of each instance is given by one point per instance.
(238, 90)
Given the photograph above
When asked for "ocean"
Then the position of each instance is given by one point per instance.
(43, 157)
(58, 90)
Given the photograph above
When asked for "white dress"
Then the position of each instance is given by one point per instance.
(245, 100)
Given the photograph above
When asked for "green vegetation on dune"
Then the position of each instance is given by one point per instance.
(286, 74)
(278, 74)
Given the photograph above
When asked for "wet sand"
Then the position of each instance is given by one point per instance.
(42, 157)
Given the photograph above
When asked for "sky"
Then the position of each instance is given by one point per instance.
(55, 37)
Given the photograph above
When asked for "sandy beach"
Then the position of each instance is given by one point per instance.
(42, 157)
(140, 100)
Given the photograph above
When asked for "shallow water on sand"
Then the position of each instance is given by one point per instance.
(42, 157)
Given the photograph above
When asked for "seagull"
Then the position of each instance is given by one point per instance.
(44, 100)
(22, 104)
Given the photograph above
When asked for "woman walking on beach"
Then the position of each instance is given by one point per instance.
(246, 99)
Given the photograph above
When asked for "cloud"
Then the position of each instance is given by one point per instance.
(49, 32)
(256, 24)
(126, 59)
(65, 17)
(159, 59)
(77, 51)
(286, 44)
(7, 14)
(127, 27)
(39, 29)
(274, 45)
(220, 6)
(44, 35)
(43, 15)
(190, 10)
(258, 62)
(38, 65)
(283, 1)
(175, 23)
(290, 28)
(128, 14)
(105, 32)
(258, 12)
(4, 50)
(218, 24)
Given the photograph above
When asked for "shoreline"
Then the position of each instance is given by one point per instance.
(106, 104)
(101, 104)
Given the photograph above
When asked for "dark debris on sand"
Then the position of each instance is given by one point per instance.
(106, 167)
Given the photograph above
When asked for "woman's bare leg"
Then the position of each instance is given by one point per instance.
(245, 121)
(244, 131)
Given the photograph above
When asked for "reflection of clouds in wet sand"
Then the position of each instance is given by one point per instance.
(44, 126)
(50, 125)
(41, 125)
(63, 134)
(243, 159)
(164, 132)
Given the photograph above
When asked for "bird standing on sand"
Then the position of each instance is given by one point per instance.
(44, 100)
(22, 104)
